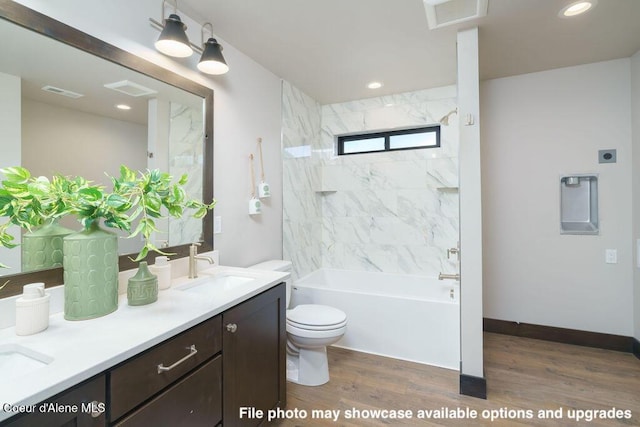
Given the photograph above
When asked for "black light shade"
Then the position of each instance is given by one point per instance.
(173, 40)
(212, 61)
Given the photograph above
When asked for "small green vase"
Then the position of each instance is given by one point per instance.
(90, 273)
(42, 248)
(143, 286)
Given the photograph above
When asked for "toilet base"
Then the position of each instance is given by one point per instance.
(309, 367)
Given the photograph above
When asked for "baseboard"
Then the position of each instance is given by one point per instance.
(563, 335)
(473, 386)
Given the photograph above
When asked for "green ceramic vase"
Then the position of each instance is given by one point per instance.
(42, 248)
(90, 273)
(142, 288)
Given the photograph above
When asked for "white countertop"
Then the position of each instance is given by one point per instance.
(82, 349)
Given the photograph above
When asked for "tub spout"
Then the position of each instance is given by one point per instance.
(443, 276)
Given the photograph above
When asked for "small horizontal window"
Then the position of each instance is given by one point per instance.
(408, 139)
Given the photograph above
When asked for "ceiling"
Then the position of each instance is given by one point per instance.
(331, 49)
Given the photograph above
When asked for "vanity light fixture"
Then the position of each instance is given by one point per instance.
(123, 107)
(211, 61)
(577, 8)
(173, 40)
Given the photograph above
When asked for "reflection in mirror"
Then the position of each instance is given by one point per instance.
(67, 111)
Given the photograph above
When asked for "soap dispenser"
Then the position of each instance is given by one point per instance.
(162, 269)
(32, 310)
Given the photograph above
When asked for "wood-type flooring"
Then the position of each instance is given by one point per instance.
(524, 377)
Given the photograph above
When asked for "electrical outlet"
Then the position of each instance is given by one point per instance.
(217, 224)
(611, 256)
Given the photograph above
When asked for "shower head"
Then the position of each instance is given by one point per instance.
(444, 121)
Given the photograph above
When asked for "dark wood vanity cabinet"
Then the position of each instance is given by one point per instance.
(254, 356)
(200, 377)
(79, 406)
(240, 361)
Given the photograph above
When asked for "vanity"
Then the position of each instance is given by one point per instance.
(205, 349)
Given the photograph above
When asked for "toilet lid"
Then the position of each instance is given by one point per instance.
(314, 315)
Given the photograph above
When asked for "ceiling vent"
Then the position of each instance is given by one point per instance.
(63, 92)
(441, 13)
(130, 88)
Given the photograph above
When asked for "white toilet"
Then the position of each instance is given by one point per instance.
(310, 329)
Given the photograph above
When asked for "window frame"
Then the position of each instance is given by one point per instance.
(387, 139)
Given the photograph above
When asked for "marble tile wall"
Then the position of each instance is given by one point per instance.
(391, 212)
(302, 206)
(186, 156)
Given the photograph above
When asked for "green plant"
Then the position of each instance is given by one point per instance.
(29, 202)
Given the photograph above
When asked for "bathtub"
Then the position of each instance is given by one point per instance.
(414, 318)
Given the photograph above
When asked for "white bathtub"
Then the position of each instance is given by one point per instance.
(407, 317)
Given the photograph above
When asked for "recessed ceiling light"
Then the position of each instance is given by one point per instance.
(577, 8)
(123, 107)
(374, 85)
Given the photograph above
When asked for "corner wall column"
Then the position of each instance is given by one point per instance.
(472, 381)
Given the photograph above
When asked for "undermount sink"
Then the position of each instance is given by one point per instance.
(219, 281)
(16, 359)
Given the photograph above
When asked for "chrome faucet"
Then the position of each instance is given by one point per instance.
(193, 260)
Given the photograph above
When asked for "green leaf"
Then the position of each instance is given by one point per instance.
(200, 213)
(152, 204)
(127, 174)
(39, 187)
(91, 194)
(175, 211)
(143, 253)
(183, 179)
(16, 174)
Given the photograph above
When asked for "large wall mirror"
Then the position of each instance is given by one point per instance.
(62, 94)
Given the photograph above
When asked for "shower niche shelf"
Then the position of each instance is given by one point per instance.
(579, 204)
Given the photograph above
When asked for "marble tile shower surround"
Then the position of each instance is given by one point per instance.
(302, 206)
(392, 212)
(186, 156)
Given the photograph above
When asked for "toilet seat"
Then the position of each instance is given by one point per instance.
(316, 317)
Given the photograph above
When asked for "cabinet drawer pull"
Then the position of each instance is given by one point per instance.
(97, 409)
(192, 352)
(232, 327)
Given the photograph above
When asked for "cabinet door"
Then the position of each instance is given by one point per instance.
(253, 356)
(81, 406)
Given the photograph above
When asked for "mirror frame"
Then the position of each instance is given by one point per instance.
(35, 21)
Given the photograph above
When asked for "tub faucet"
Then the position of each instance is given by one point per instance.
(443, 276)
(193, 260)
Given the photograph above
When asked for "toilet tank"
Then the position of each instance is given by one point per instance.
(277, 265)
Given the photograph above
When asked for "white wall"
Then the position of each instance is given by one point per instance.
(635, 123)
(535, 128)
(472, 197)
(247, 106)
(10, 154)
(50, 132)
